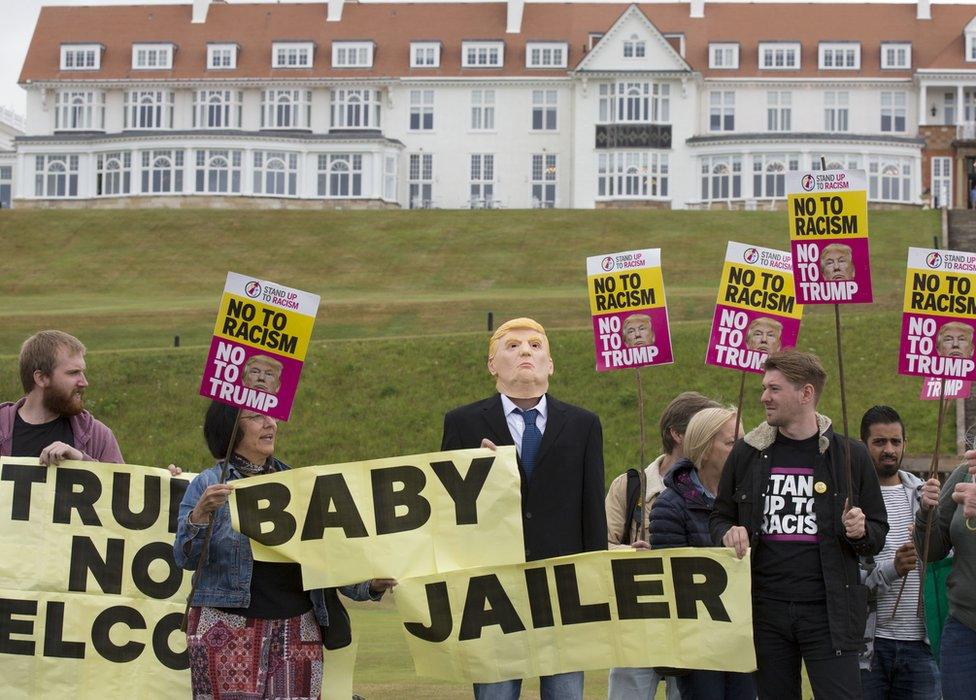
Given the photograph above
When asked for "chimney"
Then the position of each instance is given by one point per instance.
(697, 8)
(924, 10)
(200, 8)
(335, 11)
(514, 23)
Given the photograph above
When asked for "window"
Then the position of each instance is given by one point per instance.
(221, 56)
(893, 111)
(837, 161)
(355, 109)
(723, 56)
(340, 175)
(635, 175)
(6, 184)
(769, 175)
(482, 180)
(113, 173)
(949, 107)
(217, 109)
(81, 56)
(545, 55)
(152, 56)
(276, 173)
(592, 39)
(79, 110)
(836, 110)
(420, 179)
(286, 109)
(482, 110)
(721, 177)
(544, 180)
(425, 54)
(971, 41)
(291, 54)
(56, 176)
(941, 183)
(148, 109)
(779, 56)
(218, 171)
(969, 105)
(421, 110)
(890, 179)
(483, 54)
(840, 56)
(162, 172)
(544, 107)
(635, 102)
(389, 178)
(721, 110)
(896, 55)
(634, 47)
(778, 111)
(352, 54)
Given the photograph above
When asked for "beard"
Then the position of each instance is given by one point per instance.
(64, 404)
(889, 470)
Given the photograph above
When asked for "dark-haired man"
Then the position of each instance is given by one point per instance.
(784, 493)
(897, 661)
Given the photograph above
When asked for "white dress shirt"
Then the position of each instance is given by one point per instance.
(516, 422)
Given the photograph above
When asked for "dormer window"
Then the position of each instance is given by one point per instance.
(81, 56)
(634, 47)
(425, 54)
(221, 56)
(482, 54)
(896, 55)
(723, 56)
(840, 56)
(779, 55)
(971, 41)
(545, 55)
(152, 56)
(291, 54)
(352, 54)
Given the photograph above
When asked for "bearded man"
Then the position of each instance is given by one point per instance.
(50, 422)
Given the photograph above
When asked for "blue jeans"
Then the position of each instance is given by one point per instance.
(626, 683)
(901, 669)
(562, 686)
(958, 660)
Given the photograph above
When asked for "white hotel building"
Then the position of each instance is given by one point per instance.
(492, 104)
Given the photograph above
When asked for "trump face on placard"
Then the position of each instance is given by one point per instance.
(764, 334)
(955, 339)
(837, 262)
(263, 372)
(637, 330)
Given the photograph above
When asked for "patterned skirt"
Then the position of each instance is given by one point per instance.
(241, 658)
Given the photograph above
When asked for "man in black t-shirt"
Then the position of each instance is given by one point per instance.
(784, 493)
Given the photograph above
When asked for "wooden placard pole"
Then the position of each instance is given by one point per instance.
(640, 410)
(933, 474)
(738, 405)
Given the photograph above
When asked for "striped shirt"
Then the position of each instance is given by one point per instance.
(905, 625)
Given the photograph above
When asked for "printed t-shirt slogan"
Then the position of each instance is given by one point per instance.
(259, 345)
(756, 312)
(828, 214)
(939, 315)
(630, 315)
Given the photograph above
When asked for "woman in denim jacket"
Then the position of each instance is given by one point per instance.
(252, 628)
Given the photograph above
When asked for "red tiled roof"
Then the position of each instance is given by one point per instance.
(936, 43)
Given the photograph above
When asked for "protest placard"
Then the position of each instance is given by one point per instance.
(828, 219)
(756, 312)
(90, 597)
(954, 389)
(386, 518)
(630, 314)
(683, 608)
(259, 344)
(939, 315)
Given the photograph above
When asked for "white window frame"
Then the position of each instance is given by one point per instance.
(275, 173)
(221, 56)
(153, 56)
(894, 107)
(482, 54)
(211, 178)
(769, 174)
(113, 174)
(545, 110)
(723, 56)
(640, 174)
(91, 55)
(889, 179)
(481, 180)
(721, 177)
(422, 110)
(389, 177)
(420, 181)
(889, 55)
(970, 42)
(355, 108)
(546, 54)
(56, 175)
(634, 102)
(425, 54)
(79, 110)
(769, 49)
(223, 104)
(779, 111)
(634, 47)
(849, 53)
(282, 52)
(162, 171)
(837, 111)
(334, 169)
(286, 108)
(482, 110)
(352, 54)
(544, 178)
(721, 104)
(941, 182)
(155, 104)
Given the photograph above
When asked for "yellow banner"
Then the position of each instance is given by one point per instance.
(684, 608)
(90, 598)
(395, 517)
(264, 327)
(828, 215)
(940, 293)
(758, 289)
(626, 290)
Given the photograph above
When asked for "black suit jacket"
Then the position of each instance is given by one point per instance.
(562, 504)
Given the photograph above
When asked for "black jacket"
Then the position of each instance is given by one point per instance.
(741, 501)
(679, 516)
(562, 504)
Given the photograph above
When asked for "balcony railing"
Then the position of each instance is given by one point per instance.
(966, 132)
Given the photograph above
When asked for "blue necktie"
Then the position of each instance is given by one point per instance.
(531, 439)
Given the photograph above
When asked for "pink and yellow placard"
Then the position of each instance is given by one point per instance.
(828, 215)
(259, 345)
(939, 315)
(630, 315)
(756, 312)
